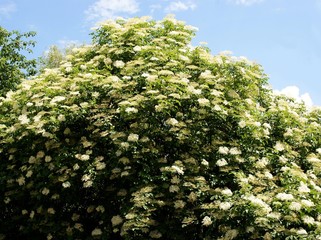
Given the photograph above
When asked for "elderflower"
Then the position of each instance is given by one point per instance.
(66, 184)
(257, 124)
(171, 121)
(227, 192)
(192, 197)
(29, 174)
(155, 234)
(137, 48)
(100, 166)
(217, 108)
(308, 220)
(85, 177)
(119, 64)
(231, 234)
(40, 154)
(178, 170)
(100, 208)
(45, 191)
(179, 204)
(133, 137)
(302, 231)
(242, 124)
(184, 58)
(76, 167)
(175, 180)
(284, 196)
(82, 157)
(279, 146)
(295, 206)
(261, 163)
(51, 211)
(303, 188)
(57, 99)
(192, 90)
(61, 118)
(23, 119)
(307, 203)
(173, 188)
(203, 102)
(21, 181)
(207, 221)
(260, 203)
(96, 232)
(275, 215)
(222, 162)
(225, 206)
(235, 151)
(88, 184)
(131, 110)
(205, 163)
(116, 220)
(125, 145)
(223, 150)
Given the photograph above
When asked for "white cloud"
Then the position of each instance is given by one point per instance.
(155, 7)
(32, 27)
(7, 9)
(107, 9)
(246, 2)
(294, 92)
(180, 6)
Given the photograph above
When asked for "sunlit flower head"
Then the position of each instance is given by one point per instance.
(279, 146)
(285, 196)
(119, 64)
(222, 162)
(178, 169)
(207, 221)
(23, 119)
(303, 188)
(225, 206)
(223, 150)
(133, 137)
(203, 102)
(227, 192)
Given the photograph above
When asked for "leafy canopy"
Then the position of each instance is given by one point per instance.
(142, 136)
(14, 65)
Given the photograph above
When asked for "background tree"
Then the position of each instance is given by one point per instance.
(53, 57)
(14, 64)
(141, 136)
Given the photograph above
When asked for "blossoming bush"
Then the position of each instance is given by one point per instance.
(141, 136)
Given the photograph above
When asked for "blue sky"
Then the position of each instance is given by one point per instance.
(284, 36)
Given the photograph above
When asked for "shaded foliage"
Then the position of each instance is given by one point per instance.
(14, 65)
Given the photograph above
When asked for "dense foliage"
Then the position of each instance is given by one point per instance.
(142, 136)
(14, 65)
